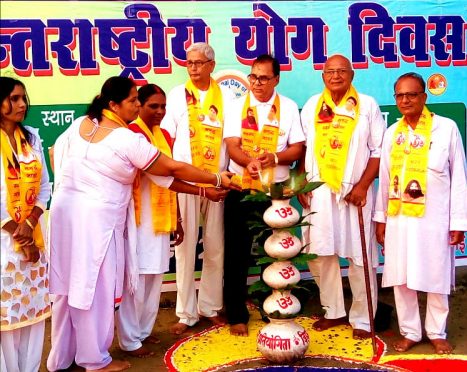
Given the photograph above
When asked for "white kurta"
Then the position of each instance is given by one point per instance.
(290, 131)
(417, 251)
(153, 250)
(335, 228)
(25, 300)
(89, 208)
(192, 209)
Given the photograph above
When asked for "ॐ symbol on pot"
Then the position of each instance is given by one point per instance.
(284, 302)
(284, 212)
(287, 242)
(287, 272)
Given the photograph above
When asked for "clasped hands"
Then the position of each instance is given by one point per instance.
(23, 236)
(254, 167)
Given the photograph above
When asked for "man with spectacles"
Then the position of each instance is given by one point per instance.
(423, 151)
(259, 154)
(342, 150)
(198, 141)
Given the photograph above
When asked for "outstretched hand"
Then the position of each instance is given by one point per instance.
(227, 182)
(216, 195)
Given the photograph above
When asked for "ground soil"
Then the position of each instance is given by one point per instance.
(457, 328)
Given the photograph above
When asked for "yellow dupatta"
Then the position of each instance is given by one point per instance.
(163, 201)
(114, 117)
(408, 166)
(256, 143)
(206, 126)
(334, 126)
(23, 183)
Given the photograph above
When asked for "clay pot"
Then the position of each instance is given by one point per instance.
(281, 214)
(281, 274)
(282, 341)
(282, 301)
(282, 244)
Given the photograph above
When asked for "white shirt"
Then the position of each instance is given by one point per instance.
(290, 130)
(176, 123)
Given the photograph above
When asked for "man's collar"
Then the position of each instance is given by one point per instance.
(254, 102)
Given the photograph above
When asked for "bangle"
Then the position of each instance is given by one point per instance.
(219, 180)
(202, 192)
(29, 223)
(276, 159)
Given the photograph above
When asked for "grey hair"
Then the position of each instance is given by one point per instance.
(204, 48)
(412, 75)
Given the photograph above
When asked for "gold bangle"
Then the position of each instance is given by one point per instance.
(29, 223)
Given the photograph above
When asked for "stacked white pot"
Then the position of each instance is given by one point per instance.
(282, 340)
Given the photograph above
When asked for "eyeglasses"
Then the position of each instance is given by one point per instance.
(410, 95)
(197, 64)
(339, 71)
(252, 78)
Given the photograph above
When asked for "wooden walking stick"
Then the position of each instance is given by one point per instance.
(367, 280)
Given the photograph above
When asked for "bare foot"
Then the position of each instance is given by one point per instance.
(323, 323)
(403, 344)
(178, 328)
(360, 334)
(441, 346)
(113, 366)
(151, 340)
(142, 352)
(217, 320)
(240, 329)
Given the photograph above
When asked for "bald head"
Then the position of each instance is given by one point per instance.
(338, 76)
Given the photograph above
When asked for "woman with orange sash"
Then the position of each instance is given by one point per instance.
(25, 191)
(96, 161)
(157, 216)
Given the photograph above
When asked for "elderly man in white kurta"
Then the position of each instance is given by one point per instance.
(342, 151)
(418, 235)
(187, 107)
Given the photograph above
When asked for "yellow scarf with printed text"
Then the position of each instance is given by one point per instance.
(205, 133)
(334, 126)
(256, 143)
(408, 166)
(163, 201)
(23, 183)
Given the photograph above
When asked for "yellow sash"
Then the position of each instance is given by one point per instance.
(205, 126)
(334, 126)
(23, 175)
(256, 143)
(163, 201)
(408, 167)
(114, 117)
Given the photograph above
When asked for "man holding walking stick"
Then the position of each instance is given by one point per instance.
(343, 151)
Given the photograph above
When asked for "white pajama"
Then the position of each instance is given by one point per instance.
(408, 314)
(85, 336)
(418, 256)
(334, 231)
(21, 348)
(331, 293)
(138, 312)
(209, 302)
